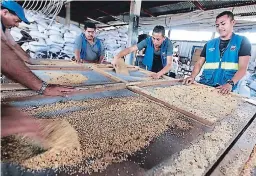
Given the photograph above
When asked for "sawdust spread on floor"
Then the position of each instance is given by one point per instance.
(108, 131)
(202, 101)
(58, 63)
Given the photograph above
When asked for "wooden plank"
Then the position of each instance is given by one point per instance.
(251, 101)
(78, 91)
(149, 73)
(105, 66)
(155, 82)
(148, 95)
(41, 67)
(12, 87)
(51, 61)
(112, 69)
(234, 160)
(115, 78)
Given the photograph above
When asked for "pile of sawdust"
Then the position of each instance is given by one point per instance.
(66, 78)
(250, 165)
(204, 102)
(58, 63)
(112, 128)
(60, 147)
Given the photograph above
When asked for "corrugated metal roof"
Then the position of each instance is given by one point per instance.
(249, 10)
(173, 7)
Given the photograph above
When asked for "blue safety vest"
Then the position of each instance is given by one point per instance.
(84, 45)
(218, 70)
(149, 54)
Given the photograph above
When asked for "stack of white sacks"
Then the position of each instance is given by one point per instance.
(114, 40)
(55, 38)
(59, 38)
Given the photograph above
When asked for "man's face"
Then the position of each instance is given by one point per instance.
(224, 25)
(158, 39)
(9, 20)
(90, 33)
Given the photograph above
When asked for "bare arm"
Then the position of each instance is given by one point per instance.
(168, 66)
(124, 53)
(21, 53)
(101, 59)
(197, 68)
(77, 55)
(15, 121)
(242, 68)
(14, 68)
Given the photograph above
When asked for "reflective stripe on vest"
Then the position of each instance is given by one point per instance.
(229, 66)
(224, 65)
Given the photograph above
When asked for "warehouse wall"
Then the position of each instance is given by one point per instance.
(185, 47)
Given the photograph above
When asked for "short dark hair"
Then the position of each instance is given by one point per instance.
(159, 29)
(89, 25)
(228, 13)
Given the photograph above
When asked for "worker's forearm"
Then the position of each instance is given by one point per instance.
(239, 75)
(101, 59)
(21, 53)
(77, 55)
(165, 69)
(196, 70)
(14, 68)
(123, 53)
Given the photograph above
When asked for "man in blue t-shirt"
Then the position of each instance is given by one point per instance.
(158, 55)
(88, 48)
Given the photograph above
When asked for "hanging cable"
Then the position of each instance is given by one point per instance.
(41, 2)
(51, 9)
(24, 4)
(35, 5)
(57, 11)
(28, 4)
(47, 6)
(41, 10)
(30, 7)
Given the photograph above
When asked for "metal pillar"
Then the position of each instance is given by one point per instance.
(133, 28)
(68, 7)
(213, 35)
(169, 33)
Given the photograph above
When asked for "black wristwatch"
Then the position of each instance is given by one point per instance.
(41, 91)
(231, 83)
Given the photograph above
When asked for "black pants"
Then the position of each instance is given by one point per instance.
(171, 74)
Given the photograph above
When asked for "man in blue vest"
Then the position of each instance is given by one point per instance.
(225, 59)
(158, 55)
(89, 49)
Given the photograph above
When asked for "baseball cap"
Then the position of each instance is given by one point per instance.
(16, 8)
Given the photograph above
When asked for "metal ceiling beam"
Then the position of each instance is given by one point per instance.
(198, 5)
(110, 15)
(147, 12)
(98, 22)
